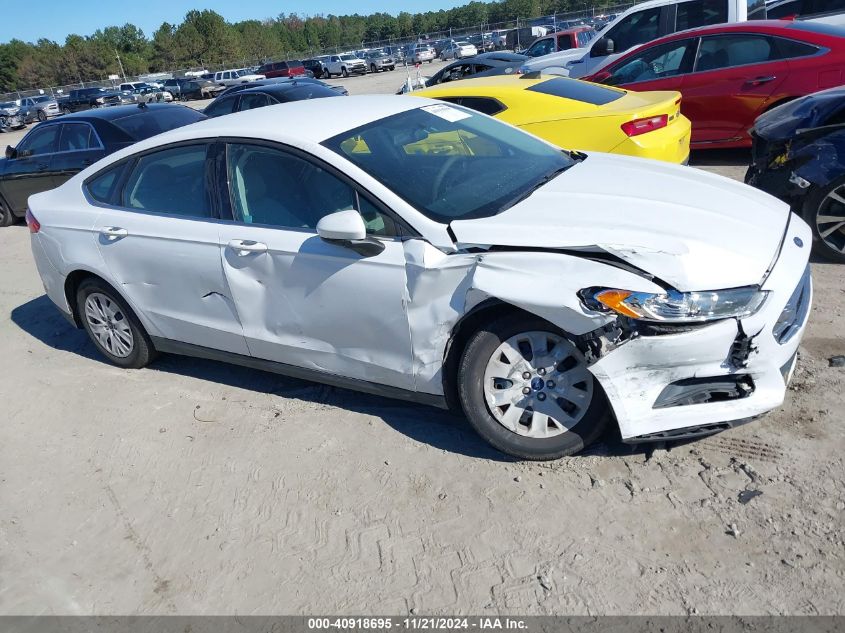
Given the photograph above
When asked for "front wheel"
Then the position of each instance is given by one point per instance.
(42, 116)
(525, 388)
(824, 211)
(344, 72)
(373, 68)
(112, 326)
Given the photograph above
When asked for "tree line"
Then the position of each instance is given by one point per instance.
(205, 38)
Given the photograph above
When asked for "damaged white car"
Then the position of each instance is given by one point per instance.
(424, 251)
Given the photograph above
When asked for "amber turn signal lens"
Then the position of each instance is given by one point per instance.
(615, 300)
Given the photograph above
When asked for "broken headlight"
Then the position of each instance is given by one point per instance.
(677, 307)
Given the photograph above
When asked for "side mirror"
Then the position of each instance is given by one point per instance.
(346, 228)
(605, 46)
(11, 152)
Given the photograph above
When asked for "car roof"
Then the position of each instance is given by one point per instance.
(116, 112)
(280, 88)
(501, 56)
(304, 122)
(781, 27)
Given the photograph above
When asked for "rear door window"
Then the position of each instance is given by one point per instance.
(77, 137)
(700, 13)
(226, 105)
(170, 181)
(788, 49)
(252, 101)
(727, 51)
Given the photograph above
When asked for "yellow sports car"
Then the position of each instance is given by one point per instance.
(578, 115)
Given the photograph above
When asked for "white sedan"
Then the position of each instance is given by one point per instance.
(420, 250)
(458, 50)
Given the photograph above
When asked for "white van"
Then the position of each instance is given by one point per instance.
(640, 24)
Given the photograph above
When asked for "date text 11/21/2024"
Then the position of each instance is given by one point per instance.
(421, 623)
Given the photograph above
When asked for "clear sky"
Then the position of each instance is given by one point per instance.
(55, 19)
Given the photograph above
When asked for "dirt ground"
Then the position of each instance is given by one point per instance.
(194, 487)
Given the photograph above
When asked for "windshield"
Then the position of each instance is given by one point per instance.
(464, 165)
(348, 58)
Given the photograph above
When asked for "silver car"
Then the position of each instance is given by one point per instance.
(39, 108)
(11, 117)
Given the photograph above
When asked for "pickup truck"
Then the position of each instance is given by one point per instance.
(87, 98)
(345, 64)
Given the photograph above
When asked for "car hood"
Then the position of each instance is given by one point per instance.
(803, 114)
(689, 228)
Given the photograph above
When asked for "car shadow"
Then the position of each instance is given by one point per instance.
(720, 157)
(428, 425)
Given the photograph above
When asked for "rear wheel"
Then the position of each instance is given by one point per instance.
(526, 390)
(824, 211)
(112, 326)
(7, 218)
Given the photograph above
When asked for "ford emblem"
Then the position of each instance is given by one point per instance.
(798, 242)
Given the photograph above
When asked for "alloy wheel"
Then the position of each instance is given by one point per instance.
(830, 220)
(42, 116)
(537, 384)
(109, 324)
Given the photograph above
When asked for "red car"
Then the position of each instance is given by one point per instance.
(287, 68)
(729, 74)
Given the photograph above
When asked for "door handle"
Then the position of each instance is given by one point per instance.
(42, 166)
(243, 248)
(113, 232)
(759, 81)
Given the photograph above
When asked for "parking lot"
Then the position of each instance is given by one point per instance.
(195, 487)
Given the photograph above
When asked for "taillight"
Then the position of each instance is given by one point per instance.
(33, 224)
(649, 124)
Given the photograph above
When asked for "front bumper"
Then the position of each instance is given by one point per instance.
(11, 121)
(760, 349)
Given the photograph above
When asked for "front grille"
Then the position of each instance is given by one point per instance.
(795, 312)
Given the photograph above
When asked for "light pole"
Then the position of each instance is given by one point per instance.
(120, 64)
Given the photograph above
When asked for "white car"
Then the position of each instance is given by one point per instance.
(643, 22)
(546, 294)
(236, 76)
(458, 50)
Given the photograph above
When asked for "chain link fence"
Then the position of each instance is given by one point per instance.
(498, 28)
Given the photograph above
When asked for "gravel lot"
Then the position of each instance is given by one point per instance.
(195, 487)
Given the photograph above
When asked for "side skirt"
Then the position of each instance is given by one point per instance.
(168, 346)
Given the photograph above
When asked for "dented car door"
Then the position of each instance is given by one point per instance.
(304, 301)
(161, 245)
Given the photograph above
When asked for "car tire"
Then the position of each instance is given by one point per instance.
(587, 422)
(42, 116)
(817, 204)
(344, 72)
(7, 218)
(392, 68)
(65, 110)
(105, 302)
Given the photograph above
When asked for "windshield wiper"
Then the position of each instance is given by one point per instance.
(544, 180)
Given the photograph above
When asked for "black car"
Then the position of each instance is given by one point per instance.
(261, 96)
(798, 155)
(315, 66)
(282, 81)
(55, 150)
(483, 65)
